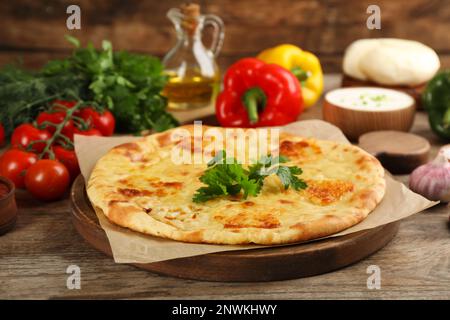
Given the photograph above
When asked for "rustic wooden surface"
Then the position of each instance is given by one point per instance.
(35, 255)
(35, 30)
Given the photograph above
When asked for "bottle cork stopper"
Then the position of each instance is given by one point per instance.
(191, 12)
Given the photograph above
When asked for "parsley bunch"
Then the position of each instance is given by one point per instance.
(225, 176)
(23, 94)
(128, 84)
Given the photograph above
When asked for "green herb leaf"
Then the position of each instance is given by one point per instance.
(225, 176)
(73, 40)
(288, 177)
(126, 83)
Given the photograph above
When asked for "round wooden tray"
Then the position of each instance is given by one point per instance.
(268, 264)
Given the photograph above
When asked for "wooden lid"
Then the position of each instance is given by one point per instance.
(394, 142)
(399, 152)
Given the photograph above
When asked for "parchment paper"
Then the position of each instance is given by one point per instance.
(132, 247)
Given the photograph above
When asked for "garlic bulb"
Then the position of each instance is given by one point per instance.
(432, 180)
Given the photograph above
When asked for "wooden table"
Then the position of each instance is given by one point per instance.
(35, 255)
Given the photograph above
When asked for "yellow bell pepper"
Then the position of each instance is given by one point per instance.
(303, 64)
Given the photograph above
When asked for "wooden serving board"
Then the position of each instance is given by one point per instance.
(277, 263)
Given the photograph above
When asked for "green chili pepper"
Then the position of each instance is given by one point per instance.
(436, 101)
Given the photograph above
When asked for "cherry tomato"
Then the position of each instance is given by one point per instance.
(47, 179)
(88, 132)
(2, 135)
(56, 118)
(69, 159)
(104, 121)
(63, 105)
(24, 134)
(14, 163)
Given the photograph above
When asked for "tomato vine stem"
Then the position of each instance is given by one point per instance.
(58, 130)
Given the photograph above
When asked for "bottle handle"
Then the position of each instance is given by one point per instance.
(175, 16)
(219, 32)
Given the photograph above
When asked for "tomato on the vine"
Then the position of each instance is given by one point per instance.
(25, 134)
(56, 118)
(47, 179)
(14, 163)
(103, 121)
(2, 135)
(63, 105)
(88, 132)
(69, 159)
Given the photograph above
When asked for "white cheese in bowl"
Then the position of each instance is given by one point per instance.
(369, 99)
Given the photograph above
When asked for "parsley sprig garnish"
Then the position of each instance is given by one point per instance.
(225, 176)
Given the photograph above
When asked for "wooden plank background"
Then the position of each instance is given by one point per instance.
(34, 30)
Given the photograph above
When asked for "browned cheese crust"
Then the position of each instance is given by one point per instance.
(137, 186)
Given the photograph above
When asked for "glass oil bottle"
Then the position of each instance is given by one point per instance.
(193, 74)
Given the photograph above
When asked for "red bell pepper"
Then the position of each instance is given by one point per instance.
(257, 94)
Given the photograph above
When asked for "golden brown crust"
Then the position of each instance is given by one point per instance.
(137, 186)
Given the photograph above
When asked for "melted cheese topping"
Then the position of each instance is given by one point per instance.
(327, 191)
(163, 191)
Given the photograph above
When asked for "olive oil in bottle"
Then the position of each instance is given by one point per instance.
(190, 92)
(193, 75)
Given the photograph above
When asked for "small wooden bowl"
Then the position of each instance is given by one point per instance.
(354, 121)
(8, 207)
